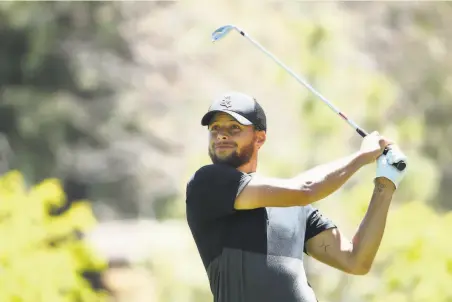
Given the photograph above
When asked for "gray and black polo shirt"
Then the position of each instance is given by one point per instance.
(249, 255)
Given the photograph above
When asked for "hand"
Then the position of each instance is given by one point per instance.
(387, 170)
(373, 146)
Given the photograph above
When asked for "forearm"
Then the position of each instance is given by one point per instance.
(370, 232)
(325, 179)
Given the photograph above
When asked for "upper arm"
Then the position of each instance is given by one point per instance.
(332, 248)
(272, 192)
(326, 243)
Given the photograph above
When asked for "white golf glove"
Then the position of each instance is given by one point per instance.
(385, 168)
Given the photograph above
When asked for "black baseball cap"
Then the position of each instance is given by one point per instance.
(244, 108)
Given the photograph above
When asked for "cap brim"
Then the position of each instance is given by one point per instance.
(209, 115)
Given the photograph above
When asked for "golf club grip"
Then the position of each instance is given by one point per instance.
(362, 132)
(401, 165)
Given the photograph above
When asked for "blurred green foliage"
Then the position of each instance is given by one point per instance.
(415, 258)
(414, 262)
(42, 258)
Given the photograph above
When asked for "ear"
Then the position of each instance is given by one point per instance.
(261, 137)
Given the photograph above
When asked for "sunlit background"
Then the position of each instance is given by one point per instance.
(100, 108)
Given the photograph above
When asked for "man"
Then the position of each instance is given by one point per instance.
(251, 231)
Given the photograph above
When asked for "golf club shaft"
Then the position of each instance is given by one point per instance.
(307, 85)
(399, 165)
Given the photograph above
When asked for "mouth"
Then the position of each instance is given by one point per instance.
(224, 147)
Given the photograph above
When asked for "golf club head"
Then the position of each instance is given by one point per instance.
(221, 32)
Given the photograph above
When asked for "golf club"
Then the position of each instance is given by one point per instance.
(224, 30)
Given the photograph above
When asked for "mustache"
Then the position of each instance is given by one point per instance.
(224, 145)
(236, 158)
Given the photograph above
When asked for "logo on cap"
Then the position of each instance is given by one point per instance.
(226, 102)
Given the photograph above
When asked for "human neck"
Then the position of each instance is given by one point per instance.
(249, 167)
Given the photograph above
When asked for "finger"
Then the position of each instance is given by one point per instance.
(395, 155)
(383, 160)
(398, 155)
(389, 144)
(390, 141)
(390, 157)
(383, 142)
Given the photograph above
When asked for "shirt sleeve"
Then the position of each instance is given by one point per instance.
(315, 224)
(212, 190)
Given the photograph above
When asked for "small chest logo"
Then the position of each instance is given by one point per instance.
(226, 102)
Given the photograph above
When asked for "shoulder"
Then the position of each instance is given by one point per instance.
(316, 220)
(313, 214)
(215, 175)
(215, 172)
(211, 172)
(214, 169)
(212, 190)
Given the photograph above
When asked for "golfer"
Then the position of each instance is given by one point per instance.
(252, 232)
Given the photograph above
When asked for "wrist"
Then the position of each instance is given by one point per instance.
(384, 186)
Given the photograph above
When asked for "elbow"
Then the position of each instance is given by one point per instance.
(360, 271)
(315, 191)
(309, 193)
(304, 198)
(361, 268)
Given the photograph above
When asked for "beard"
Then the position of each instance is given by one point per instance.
(235, 159)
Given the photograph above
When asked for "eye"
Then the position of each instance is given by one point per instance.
(235, 127)
(214, 128)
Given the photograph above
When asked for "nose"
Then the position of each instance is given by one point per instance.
(222, 134)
